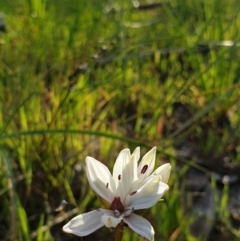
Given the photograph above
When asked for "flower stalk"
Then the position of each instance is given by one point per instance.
(119, 232)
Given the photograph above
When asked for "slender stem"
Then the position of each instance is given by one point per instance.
(119, 232)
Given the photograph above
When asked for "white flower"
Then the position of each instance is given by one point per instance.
(130, 188)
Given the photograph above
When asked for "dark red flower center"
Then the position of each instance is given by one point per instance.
(117, 205)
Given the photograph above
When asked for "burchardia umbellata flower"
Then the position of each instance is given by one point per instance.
(131, 187)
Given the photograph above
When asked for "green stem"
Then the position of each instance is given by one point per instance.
(119, 232)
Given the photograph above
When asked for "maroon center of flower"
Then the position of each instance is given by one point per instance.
(117, 205)
(144, 169)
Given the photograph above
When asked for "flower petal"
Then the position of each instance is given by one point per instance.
(85, 223)
(100, 179)
(123, 173)
(164, 171)
(136, 154)
(134, 158)
(147, 195)
(146, 165)
(110, 221)
(140, 225)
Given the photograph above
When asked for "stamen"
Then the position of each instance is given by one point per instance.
(144, 169)
(107, 185)
(119, 177)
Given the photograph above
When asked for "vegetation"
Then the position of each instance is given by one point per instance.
(91, 77)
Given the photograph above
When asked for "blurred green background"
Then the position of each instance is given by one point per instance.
(88, 77)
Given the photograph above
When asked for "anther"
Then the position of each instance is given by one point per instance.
(116, 213)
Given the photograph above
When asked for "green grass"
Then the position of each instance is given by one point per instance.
(49, 122)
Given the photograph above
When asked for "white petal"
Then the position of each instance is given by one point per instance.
(147, 195)
(110, 221)
(164, 171)
(134, 158)
(100, 179)
(136, 154)
(140, 225)
(146, 166)
(123, 173)
(84, 224)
